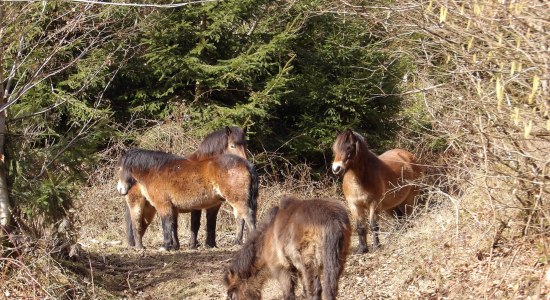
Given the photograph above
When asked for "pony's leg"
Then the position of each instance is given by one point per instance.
(195, 225)
(148, 212)
(211, 217)
(408, 205)
(317, 289)
(133, 214)
(240, 230)
(168, 218)
(240, 214)
(175, 239)
(358, 213)
(129, 226)
(238, 199)
(135, 226)
(373, 221)
(250, 219)
(311, 282)
(287, 280)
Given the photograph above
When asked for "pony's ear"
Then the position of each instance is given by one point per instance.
(245, 129)
(228, 130)
(350, 135)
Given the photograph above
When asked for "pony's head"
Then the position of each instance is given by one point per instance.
(228, 140)
(346, 149)
(236, 141)
(240, 277)
(243, 279)
(239, 288)
(125, 181)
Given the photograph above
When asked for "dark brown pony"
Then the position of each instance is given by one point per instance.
(173, 184)
(140, 213)
(299, 238)
(373, 183)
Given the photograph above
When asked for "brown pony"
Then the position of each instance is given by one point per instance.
(299, 238)
(373, 183)
(173, 184)
(140, 213)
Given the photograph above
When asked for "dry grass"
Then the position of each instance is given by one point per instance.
(481, 80)
(452, 248)
(455, 246)
(30, 270)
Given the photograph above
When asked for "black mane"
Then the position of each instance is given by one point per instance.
(142, 159)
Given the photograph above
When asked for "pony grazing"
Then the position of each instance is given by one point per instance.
(307, 238)
(140, 213)
(173, 184)
(373, 183)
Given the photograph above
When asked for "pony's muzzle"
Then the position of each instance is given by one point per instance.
(337, 168)
(122, 188)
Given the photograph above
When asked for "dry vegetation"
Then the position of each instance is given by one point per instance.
(480, 94)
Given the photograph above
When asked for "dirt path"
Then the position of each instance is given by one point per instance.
(153, 274)
(197, 274)
(440, 267)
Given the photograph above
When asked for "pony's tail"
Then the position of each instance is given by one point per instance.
(253, 192)
(336, 241)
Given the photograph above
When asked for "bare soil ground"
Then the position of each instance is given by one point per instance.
(444, 252)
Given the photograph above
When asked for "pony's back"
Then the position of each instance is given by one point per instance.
(146, 159)
(299, 237)
(305, 227)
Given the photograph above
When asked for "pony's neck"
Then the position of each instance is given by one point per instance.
(138, 175)
(199, 155)
(365, 167)
(258, 279)
(250, 258)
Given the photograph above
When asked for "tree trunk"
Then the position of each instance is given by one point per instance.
(5, 212)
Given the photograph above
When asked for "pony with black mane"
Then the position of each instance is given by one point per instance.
(299, 238)
(140, 213)
(173, 184)
(374, 183)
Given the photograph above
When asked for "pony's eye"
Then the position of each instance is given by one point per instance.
(232, 145)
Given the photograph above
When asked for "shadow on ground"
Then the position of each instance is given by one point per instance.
(147, 274)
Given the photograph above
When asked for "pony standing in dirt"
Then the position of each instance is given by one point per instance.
(140, 213)
(173, 184)
(299, 238)
(373, 183)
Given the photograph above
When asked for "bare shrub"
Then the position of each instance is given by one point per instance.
(34, 269)
(481, 69)
(478, 115)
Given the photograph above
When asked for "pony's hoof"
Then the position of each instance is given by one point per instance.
(163, 249)
(193, 246)
(210, 245)
(361, 251)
